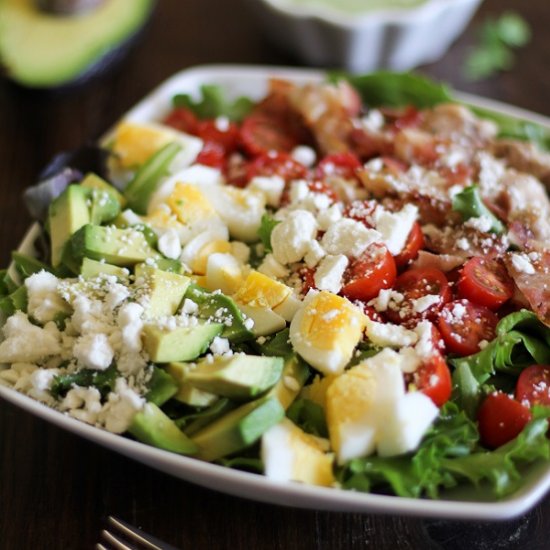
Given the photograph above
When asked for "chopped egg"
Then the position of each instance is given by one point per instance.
(135, 143)
(290, 454)
(223, 272)
(259, 290)
(325, 331)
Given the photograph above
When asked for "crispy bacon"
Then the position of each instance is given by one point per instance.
(534, 286)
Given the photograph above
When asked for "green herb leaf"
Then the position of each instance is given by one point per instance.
(513, 29)
(264, 232)
(104, 381)
(213, 104)
(469, 204)
(309, 416)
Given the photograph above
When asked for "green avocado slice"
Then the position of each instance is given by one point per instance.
(42, 50)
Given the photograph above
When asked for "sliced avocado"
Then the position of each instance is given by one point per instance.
(93, 181)
(92, 268)
(148, 177)
(122, 247)
(266, 321)
(186, 393)
(194, 423)
(238, 429)
(41, 50)
(162, 387)
(238, 377)
(165, 290)
(294, 376)
(220, 307)
(153, 427)
(67, 214)
(181, 344)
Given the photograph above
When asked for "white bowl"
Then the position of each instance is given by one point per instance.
(396, 39)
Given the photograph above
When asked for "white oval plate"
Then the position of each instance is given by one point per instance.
(462, 503)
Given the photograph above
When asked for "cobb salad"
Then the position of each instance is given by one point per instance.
(344, 284)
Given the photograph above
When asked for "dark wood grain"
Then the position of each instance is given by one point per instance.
(55, 488)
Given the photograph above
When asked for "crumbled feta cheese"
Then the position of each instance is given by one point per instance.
(522, 263)
(304, 155)
(131, 325)
(463, 243)
(373, 121)
(482, 223)
(94, 351)
(326, 218)
(328, 275)
(385, 298)
(272, 268)
(271, 186)
(299, 190)
(425, 346)
(169, 244)
(222, 123)
(389, 335)
(220, 346)
(248, 323)
(410, 360)
(395, 227)
(314, 254)
(291, 237)
(43, 300)
(121, 407)
(116, 294)
(26, 342)
(348, 237)
(423, 303)
(189, 307)
(82, 403)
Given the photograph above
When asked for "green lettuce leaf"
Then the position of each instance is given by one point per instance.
(469, 204)
(213, 103)
(104, 381)
(309, 416)
(397, 89)
(267, 225)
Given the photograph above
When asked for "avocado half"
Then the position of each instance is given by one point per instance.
(46, 50)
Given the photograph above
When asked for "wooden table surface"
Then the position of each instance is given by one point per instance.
(55, 488)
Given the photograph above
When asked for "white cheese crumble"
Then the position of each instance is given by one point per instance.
(169, 244)
(304, 155)
(522, 263)
(220, 346)
(272, 268)
(189, 307)
(271, 186)
(395, 227)
(314, 254)
(421, 304)
(348, 237)
(482, 223)
(328, 275)
(94, 351)
(291, 237)
(43, 300)
(389, 335)
(328, 217)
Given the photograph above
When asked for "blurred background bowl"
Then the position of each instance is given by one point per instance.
(397, 39)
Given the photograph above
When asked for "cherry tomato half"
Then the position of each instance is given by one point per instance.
(464, 325)
(261, 134)
(276, 164)
(415, 284)
(415, 242)
(366, 276)
(533, 385)
(433, 378)
(212, 154)
(500, 419)
(485, 283)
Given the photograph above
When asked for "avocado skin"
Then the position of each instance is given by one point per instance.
(107, 55)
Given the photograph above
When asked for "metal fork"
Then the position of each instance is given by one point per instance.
(120, 535)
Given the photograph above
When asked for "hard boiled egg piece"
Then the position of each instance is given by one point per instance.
(290, 454)
(325, 331)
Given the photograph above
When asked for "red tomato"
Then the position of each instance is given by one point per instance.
(212, 154)
(342, 165)
(307, 274)
(261, 134)
(415, 242)
(415, 284)
(464, 325)
(209, 131)
(500, 419)
(276, 164)
(485, 283)
(433, 378)
(182, 119)
(533, 385)
(366, 276)
(370, 312)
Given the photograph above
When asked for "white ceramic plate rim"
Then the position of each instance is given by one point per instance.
(467, 504)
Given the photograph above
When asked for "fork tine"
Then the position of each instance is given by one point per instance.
(115, 542)
(131, 533)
